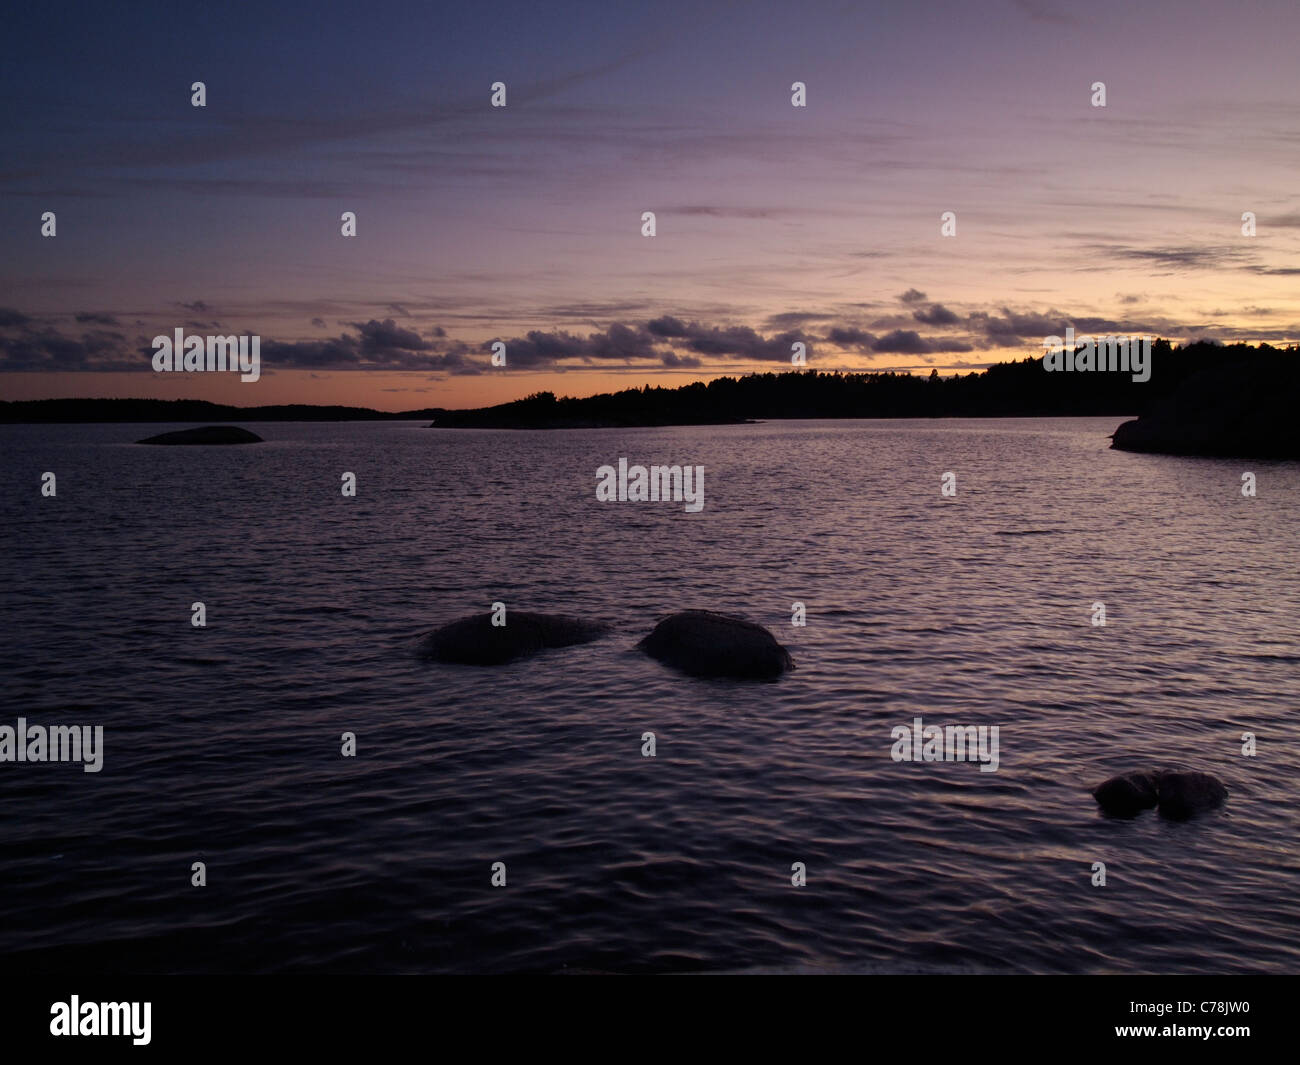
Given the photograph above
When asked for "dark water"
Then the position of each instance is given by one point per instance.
(222, 744)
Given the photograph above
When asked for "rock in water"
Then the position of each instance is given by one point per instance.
(1127, 795)
(1184, 794)
(208, 434)
(1176, 794)
(475, 641)
(705, 644)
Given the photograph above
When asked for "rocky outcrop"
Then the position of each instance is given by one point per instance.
(208, 434)
(706, 644)
(475, 641)
(1242, 410)
(1177, 794)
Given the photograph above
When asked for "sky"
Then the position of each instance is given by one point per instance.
(522, 224)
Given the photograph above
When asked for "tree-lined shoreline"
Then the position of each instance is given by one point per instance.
(1009, 389)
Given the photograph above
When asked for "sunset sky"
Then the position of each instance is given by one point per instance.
(523, 223)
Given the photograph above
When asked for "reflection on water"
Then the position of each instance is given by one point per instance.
(222, 745)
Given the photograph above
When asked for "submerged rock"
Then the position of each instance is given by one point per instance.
(706, 644)
(1175, 793)
(208, 434)
(475, 641)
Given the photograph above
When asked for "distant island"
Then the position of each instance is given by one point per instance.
(1202, 398)
(1009, 389)
(86, 411)
(206, 435)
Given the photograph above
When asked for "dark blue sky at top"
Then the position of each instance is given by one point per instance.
(482, 222)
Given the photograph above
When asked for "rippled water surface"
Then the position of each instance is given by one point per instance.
(222, 744)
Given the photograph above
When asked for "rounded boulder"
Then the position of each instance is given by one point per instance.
(703, 643)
